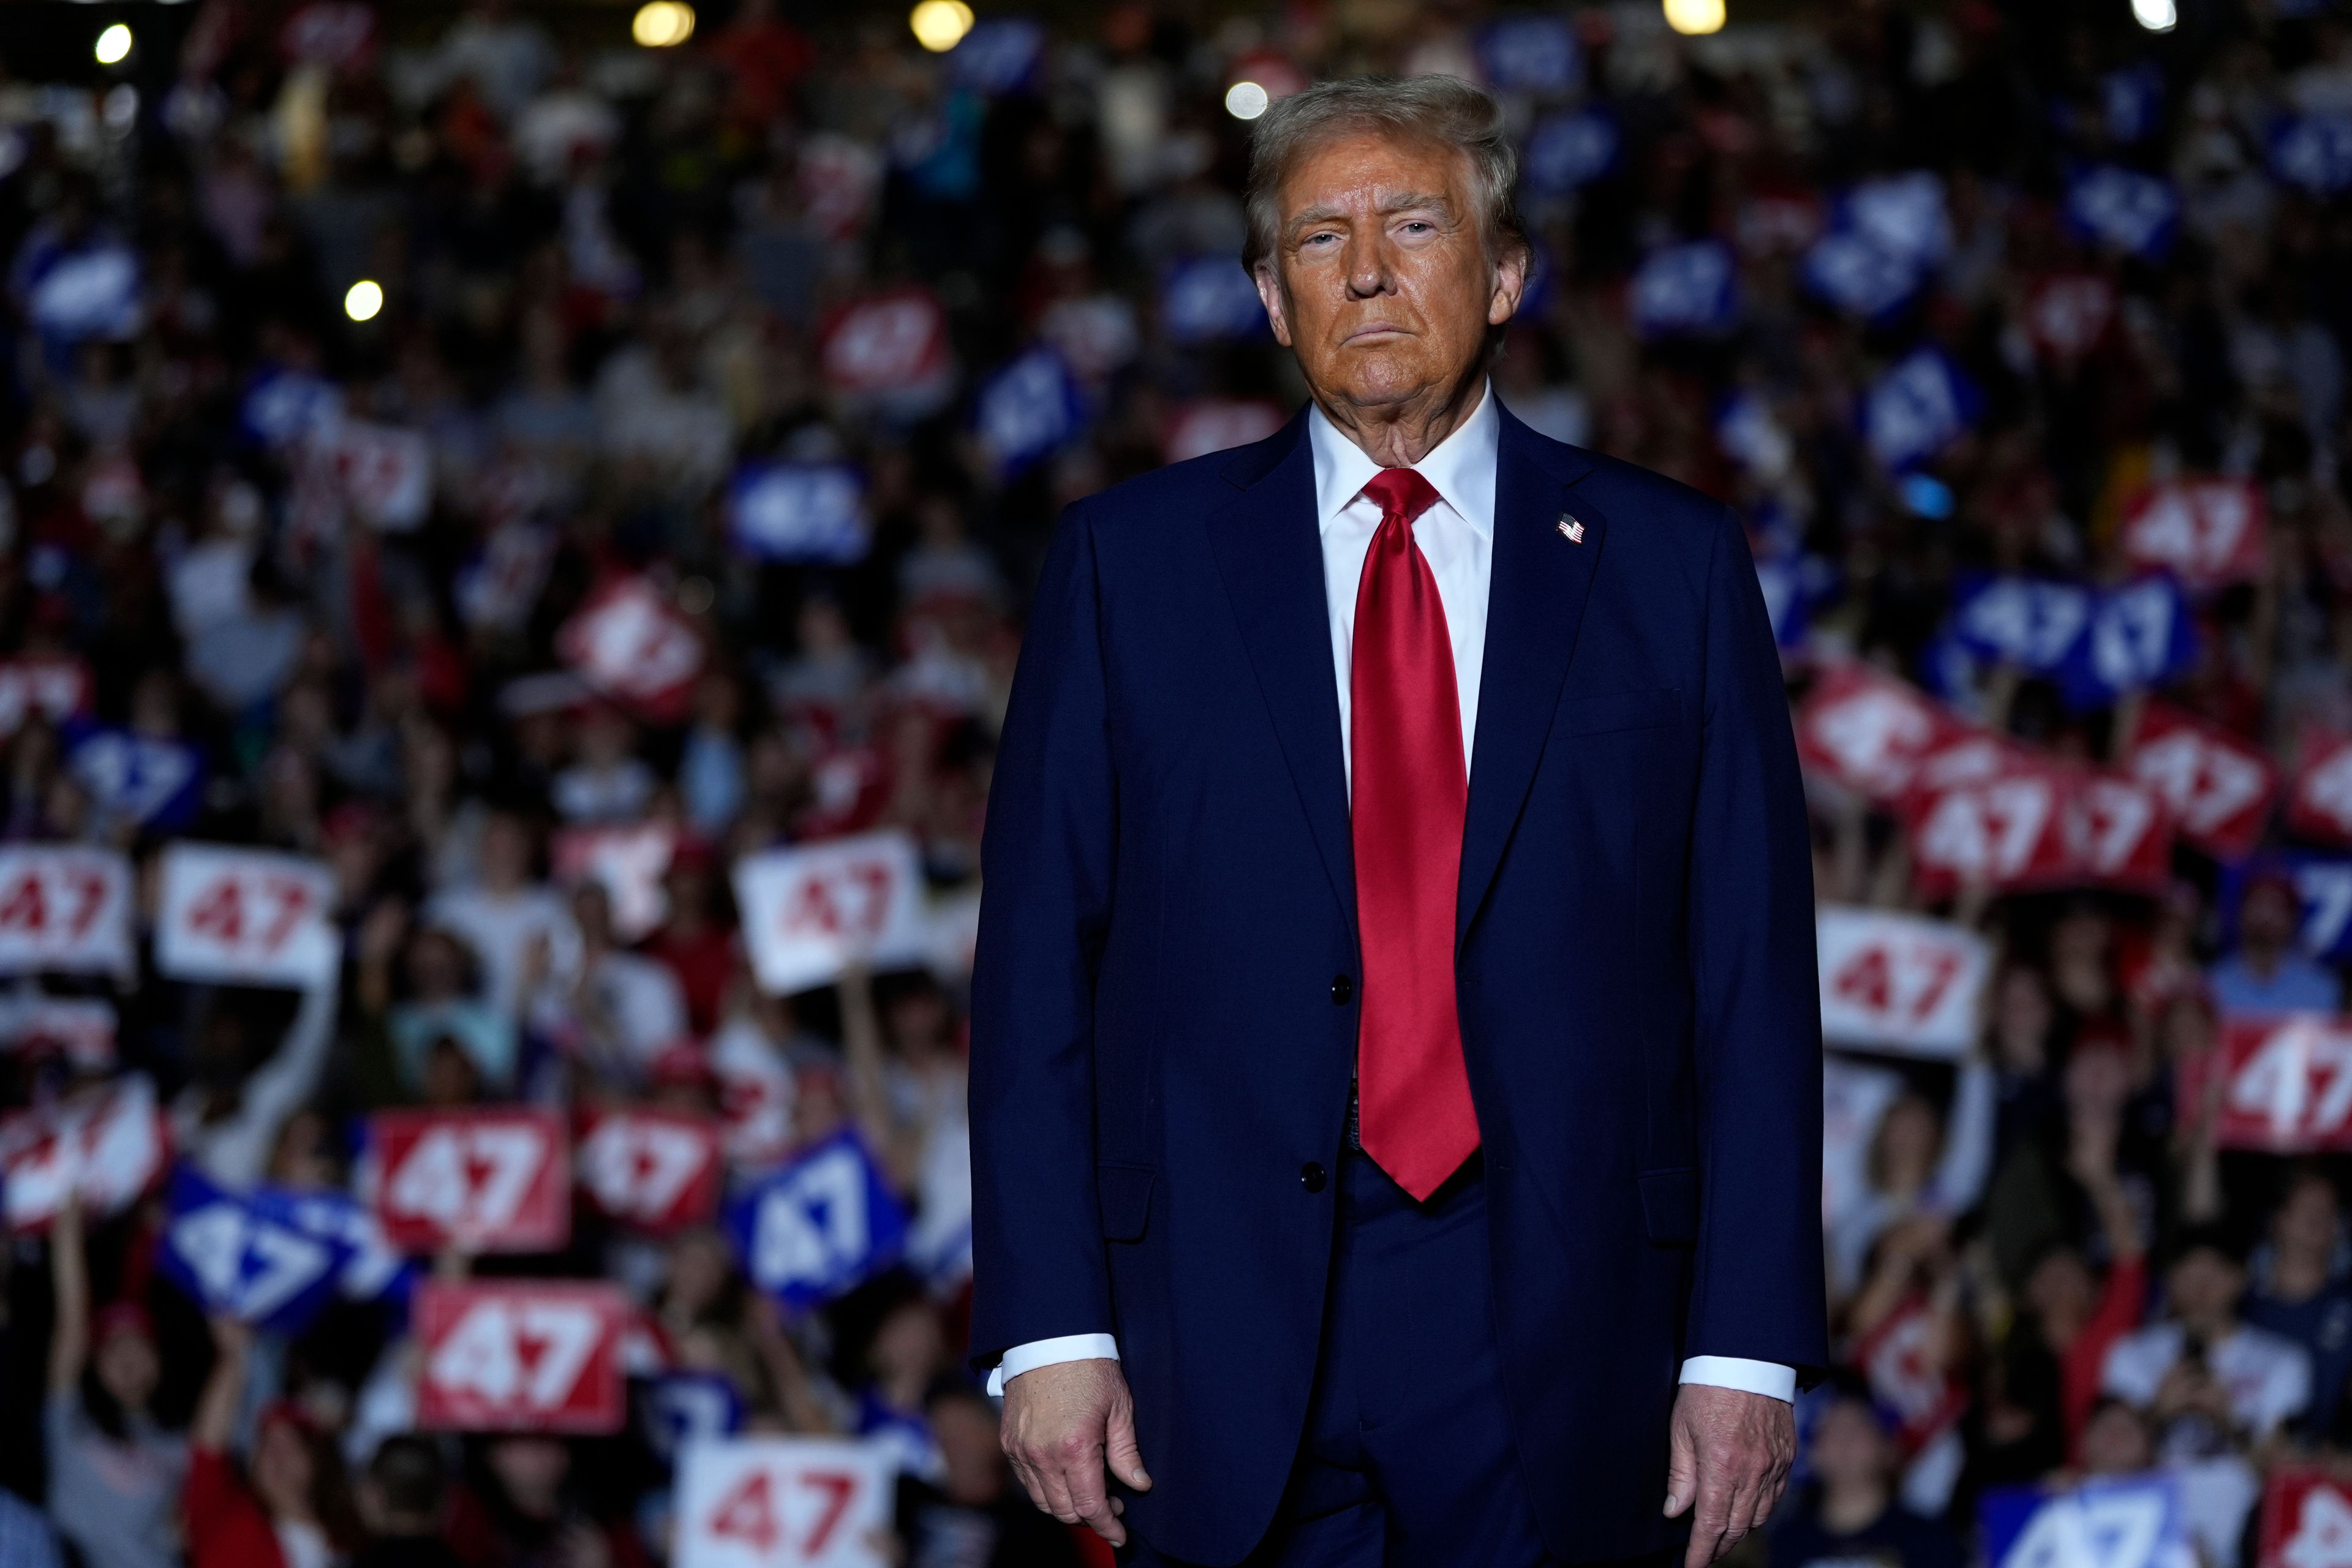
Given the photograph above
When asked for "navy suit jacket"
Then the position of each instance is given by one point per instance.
(1159, 1048)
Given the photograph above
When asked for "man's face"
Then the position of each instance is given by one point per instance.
(1380, 279)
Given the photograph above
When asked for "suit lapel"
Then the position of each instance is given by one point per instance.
(1535, 607)
(1269, 553)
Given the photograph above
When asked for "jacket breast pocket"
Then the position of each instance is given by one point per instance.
(1124, 1194)
(1614, 710)
(1670, 1206)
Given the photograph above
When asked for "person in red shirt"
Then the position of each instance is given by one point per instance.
(289, 1506)
(696, 942)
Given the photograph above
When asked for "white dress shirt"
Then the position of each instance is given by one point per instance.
(1457, 536)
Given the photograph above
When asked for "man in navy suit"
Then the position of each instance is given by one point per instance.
(1395, 1081)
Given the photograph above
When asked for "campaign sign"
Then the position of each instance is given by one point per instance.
(2306, 1519)
(2220, 787)
(2124, 210)
(1901, 214)
(1691, 287)
(2066, 315)
(2208, 532)
(799, 512)
(819, 1226)
(2287, 1083)
(1027, 411)
(1917, 408)
(2318, 801)
(1207, 424)
(891, 342)
(384, 473)
(1566, 151)
(2140, 634)
(64, 908)
(493, 1180)
(682, 1407)
(520, 1356)
(1210, 298)
(808, 910)
(248, 916)
(2118, 832)
(783, 1502)
(2314, 150)
(1902, 1359)
(2032, 623)
(999, 54)
(81, 1028)
(755, 1097)
(283, 408)
(630, 861)
(628, 643)
(2119, 1521)
(235, 1258)
(92, 293)
(2006, 833)
(108, 1146)
(1858, 275)
(53, 685)
(145, 779)
(2324, 882)
(1866, 731)
(1534, 53)
(1900, 983)
(656, 1169)
(372, 1268)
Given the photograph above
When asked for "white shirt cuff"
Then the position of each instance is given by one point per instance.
(1046, 1353)
(1769, 1378)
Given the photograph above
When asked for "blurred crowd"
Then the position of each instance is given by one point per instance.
(527, 473)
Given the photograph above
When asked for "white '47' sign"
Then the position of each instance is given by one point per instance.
(1899, 983)
(781, 1502)
(246, 917)
(808, 910)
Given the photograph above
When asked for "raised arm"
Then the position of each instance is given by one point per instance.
(69, 1279)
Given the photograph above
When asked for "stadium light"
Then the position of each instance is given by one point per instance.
(113, 45)
(2155, 15)
(662, 24)
(1245, 100)
(1695, 17)
(363, 299)
(941, 25)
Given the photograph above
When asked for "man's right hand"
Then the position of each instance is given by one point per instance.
(1062, 1424)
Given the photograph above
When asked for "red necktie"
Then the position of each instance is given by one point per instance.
(1410, 794)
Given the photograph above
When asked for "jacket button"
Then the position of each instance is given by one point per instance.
(1342, 990)
(1311, 1175)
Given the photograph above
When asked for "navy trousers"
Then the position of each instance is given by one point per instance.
(1408, 1460)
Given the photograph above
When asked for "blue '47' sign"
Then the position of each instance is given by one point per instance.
(233, 1257)
(2130, 1521)
(821, 1225)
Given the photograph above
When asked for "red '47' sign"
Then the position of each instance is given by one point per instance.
(2206, 532)
(533, 1357)
(246, 917)
(2220, 788)
(1868, 731)
(2005, 832)
(2319, 801)
(487, 1181)
(781, 1502)
(2306, 1520)
(629, 644)
(657, 1169)
(2287, 1083)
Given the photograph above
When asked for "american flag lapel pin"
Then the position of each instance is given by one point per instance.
(1571, 530)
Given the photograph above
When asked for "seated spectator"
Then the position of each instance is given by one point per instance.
(1849, 1515)
(2267, 973)
(404, 1499)
(514, 924)
(2206, 1378)
(520, 1508)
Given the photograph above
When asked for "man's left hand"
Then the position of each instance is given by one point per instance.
(1730, 1457)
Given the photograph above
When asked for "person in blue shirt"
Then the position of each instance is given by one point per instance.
(2267, 973)
(1849, 1516)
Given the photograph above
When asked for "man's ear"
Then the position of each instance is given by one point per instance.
(1510, 284)
(1269, 293)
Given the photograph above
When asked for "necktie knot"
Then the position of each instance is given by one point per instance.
(1402, 494)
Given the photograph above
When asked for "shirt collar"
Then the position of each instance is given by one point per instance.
(1460, 469)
